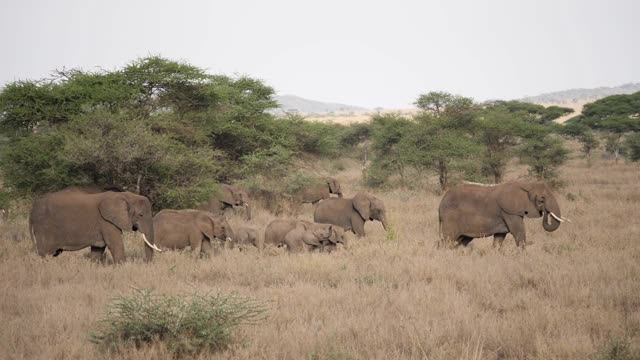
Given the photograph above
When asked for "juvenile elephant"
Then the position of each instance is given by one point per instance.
(177, 229)
(228, 196)
(471, 211)
(277, 230)
(246, 236)
(351, 213)
(320, 191)
(303, 238)
(73, 220)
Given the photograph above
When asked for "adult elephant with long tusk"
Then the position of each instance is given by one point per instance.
(73, 220)
(351, 213)
(471, 211)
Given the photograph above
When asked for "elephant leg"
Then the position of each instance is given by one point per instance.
(498, 239)
(96, 253)
(357, 224)
(195, 242)
(464, 240)
(205, 248)
(112, 236)
(515, 224)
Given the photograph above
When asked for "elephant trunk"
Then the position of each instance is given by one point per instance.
(551, 208)
(247, 208)
(146, 228)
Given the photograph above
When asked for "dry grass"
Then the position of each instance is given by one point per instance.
(563, 298)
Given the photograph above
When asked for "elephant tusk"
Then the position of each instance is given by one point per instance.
(229, 239)
(153, 246)
(565, 219)
(245, 204)
(556, 217)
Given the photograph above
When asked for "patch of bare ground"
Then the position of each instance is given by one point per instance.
(562, 298)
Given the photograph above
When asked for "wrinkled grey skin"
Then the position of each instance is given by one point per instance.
(73, 220)
(247, 236)
(277, 230)
(351, 213)
(474, 210)
(323, 190)
(228, 197)
(303, 238)
(197, 229)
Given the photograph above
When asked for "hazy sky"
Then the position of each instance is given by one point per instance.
(367, 53)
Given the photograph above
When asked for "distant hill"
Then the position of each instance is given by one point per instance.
(292, 103)
(582, 95)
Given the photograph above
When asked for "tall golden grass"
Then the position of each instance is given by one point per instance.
(397, 297)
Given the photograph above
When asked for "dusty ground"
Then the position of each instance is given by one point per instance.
(565, 297)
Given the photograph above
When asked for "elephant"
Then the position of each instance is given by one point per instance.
(351, 213)
(228, 197)
(313, 238)
(177, 229)
(321, 190)
(246, 236)
(73, 220)
(276, 232)
(471, 211)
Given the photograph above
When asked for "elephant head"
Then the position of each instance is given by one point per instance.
(230, 196)
(234, 196)
(532, 200)
(370, 208)
(244, 197)
(222, 230)
(130, 212)
(334, 186)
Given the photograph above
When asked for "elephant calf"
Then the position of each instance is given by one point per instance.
(177, 229)
(229, 196)
(320, 191)
(303, 235)
(315, 238)
(246, 236)
(351, 214)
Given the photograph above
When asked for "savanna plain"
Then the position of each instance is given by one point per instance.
(569, 295)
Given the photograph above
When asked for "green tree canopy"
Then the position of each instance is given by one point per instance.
(164, 128)
(616, 113)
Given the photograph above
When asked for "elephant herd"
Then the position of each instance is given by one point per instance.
(81, 217)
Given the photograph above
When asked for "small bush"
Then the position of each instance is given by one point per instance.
(187, 325)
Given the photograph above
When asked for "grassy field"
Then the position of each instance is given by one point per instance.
(572, 293)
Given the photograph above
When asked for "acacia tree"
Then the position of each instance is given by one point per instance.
(435, 145)
(499, 132)
(543, 153)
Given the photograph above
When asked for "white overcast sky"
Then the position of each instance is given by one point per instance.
(367, 53)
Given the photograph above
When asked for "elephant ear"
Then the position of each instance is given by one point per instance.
(362, 204)
(115, 210)
(513, 199)
(334, 237)
(313, 237)
(227, 196)
(205, 225)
